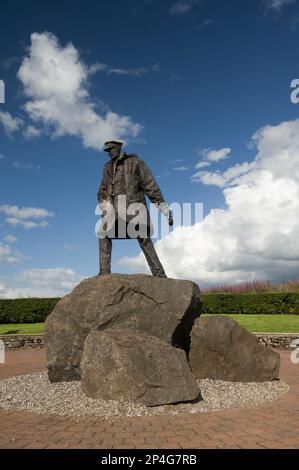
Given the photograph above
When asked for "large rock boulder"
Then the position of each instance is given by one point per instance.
(165, 308)
(135, 367)
(223, 350)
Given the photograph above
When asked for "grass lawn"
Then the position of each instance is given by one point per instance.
(259, 323)
(22, 328)
(268, 323)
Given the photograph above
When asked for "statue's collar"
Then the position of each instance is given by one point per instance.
(121, 157)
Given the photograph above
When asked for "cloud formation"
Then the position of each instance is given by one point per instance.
(139, 72)
(10, 124)
(24, 166)
(277, 5)
(56, 85)
(27, 224)
(222, 179)
(6, 254)
(209, 156)
(10, 239)
(22, 216)
(207, 22)
(216, 155)
(51, 282)
(180, 168)
(182, 7)
(31, 132)
(10, 255)
(256, 235)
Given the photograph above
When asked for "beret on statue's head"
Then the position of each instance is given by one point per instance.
(111, 144)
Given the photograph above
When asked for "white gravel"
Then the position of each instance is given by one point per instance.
(34, 393)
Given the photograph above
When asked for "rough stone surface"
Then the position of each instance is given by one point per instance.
(165, 308)
(135, 367)
(223, 350)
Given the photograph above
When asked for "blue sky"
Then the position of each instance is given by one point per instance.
(188, 82)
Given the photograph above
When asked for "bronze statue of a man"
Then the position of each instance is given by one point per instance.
(125, 175)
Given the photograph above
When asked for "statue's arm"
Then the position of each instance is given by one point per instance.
(149, 184)
(103, 189)
(152, 189)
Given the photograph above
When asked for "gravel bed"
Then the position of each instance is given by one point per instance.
(34, 393)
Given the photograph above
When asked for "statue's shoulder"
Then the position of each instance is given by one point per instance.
(132, 156)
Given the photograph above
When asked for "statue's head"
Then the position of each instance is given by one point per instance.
(113, 147)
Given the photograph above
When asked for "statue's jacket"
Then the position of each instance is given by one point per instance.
(128, 175)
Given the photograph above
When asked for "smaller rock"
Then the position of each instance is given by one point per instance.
(223, 350)
(135, 367)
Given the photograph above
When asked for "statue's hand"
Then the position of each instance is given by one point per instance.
(167, 212)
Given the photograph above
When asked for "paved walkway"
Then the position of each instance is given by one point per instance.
(275, 425)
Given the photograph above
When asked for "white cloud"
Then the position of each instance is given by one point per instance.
(181, 7)
(25, 212)
(55, 81)
(211, 155)
(31, 132)
(49, 282)
(180, 168)
(2, 157)
(256, 235)
(277, 5)
(209, 178)
(226, 178)
(139, 72)
(9, 255)
(24, 166)
(9, 123)
(27, 224)
(207, 22)
(58, 278)
(202, 164)
(5, 251)
(10, 239)
(21, 215)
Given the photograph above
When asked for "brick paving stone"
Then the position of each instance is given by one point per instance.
(273, 425)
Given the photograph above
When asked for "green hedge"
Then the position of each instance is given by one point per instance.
(26, 310)
(270, 303)
(36, 310)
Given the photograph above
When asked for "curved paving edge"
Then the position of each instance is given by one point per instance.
(274, 425)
